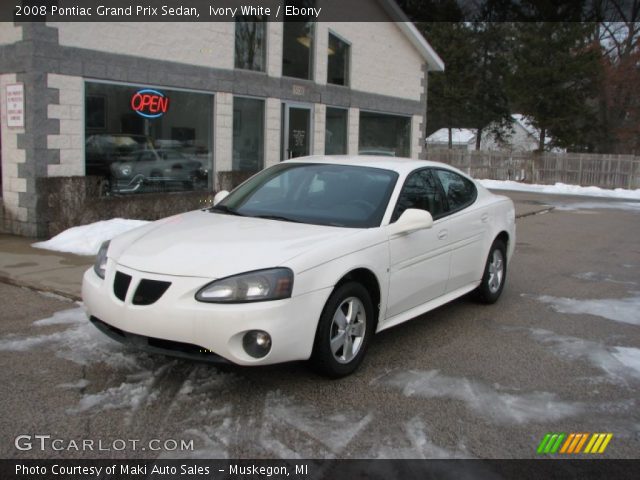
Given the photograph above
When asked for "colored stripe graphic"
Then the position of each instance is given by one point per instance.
(551, 443)
(598, 442)
(581, 442)
(556, 446)
(543, 443)
(572, 443)
(568, 442)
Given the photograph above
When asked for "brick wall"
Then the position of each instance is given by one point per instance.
(207, 44)
(223, 126)
(319, 122)
(353, 131)
(417, 144)
(9, 33)
(12, 157)
(69, 111)
(383, 60)
(272, 131)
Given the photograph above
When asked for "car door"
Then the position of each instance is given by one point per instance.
(419, 261)
(467, 226)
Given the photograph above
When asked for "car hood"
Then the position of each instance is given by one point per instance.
(213, 245)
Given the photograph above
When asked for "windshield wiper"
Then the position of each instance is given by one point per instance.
(277, 217)
(225, 209)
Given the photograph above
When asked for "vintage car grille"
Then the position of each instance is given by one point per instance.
(148, 291)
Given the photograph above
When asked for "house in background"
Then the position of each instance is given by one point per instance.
(461, 139)
(522, 137)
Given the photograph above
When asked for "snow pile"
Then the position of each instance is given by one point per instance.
(86, 239)
(561, 189)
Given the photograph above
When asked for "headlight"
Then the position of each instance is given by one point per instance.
(101, 260)
(125, 170)
(258, 286)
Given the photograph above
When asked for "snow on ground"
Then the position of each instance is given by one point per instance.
(332, 433)
(198, 402)
(562, 189)
(606, 205)
(80, 343)
(629, 357)
(79, 385)
(86, 239)
(625, 310)
(601, 277)
(501, 407)
(416, 444)
(617, 362)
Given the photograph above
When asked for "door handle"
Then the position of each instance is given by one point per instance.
(442, 234)
(484, 217)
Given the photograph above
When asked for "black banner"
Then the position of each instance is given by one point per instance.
(317, 10)
(319, 469)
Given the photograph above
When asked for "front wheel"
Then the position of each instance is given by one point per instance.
(495, 273)
(344, 331)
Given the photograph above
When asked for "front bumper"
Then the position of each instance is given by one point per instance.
(213, 328)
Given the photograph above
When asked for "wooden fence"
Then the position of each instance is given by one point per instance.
(607, 171)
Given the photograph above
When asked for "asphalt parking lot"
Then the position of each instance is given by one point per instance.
(560, 352)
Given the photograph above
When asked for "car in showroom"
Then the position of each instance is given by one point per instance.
(157, 169)
(305, 260)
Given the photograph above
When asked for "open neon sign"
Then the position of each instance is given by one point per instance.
(149, 103)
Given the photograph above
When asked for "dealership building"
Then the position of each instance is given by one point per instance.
(143, 120)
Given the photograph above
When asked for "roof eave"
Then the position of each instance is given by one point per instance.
(433, 60)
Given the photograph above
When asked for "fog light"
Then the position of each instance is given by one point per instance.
(256, 343)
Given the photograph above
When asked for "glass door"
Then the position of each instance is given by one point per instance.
(296, 128)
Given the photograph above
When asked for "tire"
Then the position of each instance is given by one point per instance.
(495, 274)
(336, 353)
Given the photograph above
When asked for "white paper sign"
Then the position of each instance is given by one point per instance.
(15, 105)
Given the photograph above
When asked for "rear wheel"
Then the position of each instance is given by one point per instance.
(495, 273)
(344, 331)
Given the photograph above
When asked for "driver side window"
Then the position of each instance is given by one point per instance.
(421, 190)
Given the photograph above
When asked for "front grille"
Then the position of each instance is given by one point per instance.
(149, 291)
(121, 285)
(158, 345)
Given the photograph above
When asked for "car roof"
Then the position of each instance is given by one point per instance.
(397, 164)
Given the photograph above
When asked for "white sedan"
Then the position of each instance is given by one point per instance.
(305, 260)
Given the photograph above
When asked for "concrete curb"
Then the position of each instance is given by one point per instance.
(535, 212)
(39, 288)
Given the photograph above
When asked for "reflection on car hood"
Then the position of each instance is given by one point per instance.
(214, 245)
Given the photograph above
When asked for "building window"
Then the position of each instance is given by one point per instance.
(297, 50)
(383, 134)
(141, 139)
(248, 134)
(335, 134)
(338, 61)
(250, 44)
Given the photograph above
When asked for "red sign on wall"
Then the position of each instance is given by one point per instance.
(149, 103)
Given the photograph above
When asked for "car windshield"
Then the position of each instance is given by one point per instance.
(321, 194)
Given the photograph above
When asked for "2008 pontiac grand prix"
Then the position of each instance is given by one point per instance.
(305, 260)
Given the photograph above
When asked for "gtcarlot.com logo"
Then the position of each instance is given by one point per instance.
(47, 442)
(573, 443)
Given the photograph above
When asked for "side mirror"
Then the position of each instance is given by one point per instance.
(221, 195)
(411, 220)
